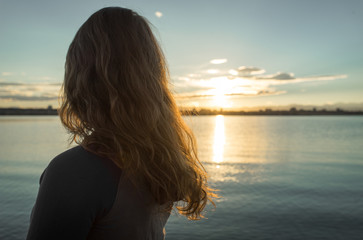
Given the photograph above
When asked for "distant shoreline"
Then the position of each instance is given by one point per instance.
(200, 112)
(27, 111)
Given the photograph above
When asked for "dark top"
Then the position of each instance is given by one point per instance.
(84, 196)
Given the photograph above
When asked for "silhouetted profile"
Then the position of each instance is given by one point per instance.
(135, 157)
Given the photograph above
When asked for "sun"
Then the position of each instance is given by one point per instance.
(220, 100)
(221, 87)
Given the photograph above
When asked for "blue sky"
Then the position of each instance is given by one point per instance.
(269, 53)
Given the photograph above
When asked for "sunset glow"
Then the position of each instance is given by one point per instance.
(253, 62)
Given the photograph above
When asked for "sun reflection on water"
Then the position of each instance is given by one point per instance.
(219, 140)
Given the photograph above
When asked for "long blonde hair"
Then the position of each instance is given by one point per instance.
(115, 96)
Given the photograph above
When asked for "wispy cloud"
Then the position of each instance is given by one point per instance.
(288, 78)
(27, 98)
(278, 76)
(212, 71)
(6, 73)
(42, 78)
(267, 92)
(5, 84)
(242, 81)
(245, 71)
(18, 91)
(218, 61)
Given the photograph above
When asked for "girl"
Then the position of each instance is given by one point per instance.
(136, 158)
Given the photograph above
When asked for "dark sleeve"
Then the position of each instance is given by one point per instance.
(75, 190)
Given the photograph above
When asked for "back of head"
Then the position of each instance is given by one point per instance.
(114, 68)
(116, 99)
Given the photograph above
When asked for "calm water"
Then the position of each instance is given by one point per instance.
(280, 177)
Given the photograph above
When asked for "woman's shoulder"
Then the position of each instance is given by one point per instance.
(82, 174)
(81, 164)
(79, 158)
(76, 156)
(76, 189)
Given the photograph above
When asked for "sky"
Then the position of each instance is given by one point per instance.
(230, 54)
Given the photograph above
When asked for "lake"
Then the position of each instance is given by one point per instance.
(280, 177)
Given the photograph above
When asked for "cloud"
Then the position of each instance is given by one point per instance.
(278, 76)
(243, 71)
(221, 85)
(18, 91)
(242, 81)
(287, 78)
(322, 77)
(267, 92)
(42, 78)
(46, 78)
(218, 61)
(11, 84)
(158, 14)
(28, 98)
(6, 73)
(212, 71)
(233, 72)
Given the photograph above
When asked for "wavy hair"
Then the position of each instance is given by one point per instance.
(116, 103)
